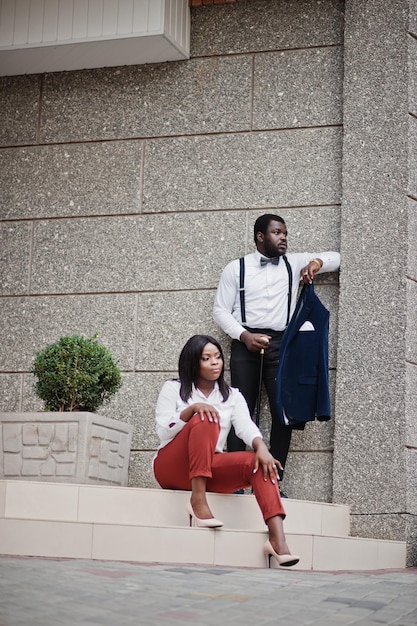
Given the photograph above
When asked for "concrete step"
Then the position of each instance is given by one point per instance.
(151, 525)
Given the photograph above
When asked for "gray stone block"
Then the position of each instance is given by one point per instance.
(311, 229)
(308, 476)
(287, 168)
(411, 530)
(362, 478)
(237, 28)
(393, 527)
(412, 171)
(298, 88)
(15, 245)
(140, 470)
(411, 331)
(176, 316)
(316, 436)
(177, 98)
(411, 405)
(411, 461)
(19, 106)
(30, 402)
(135, 404)
(329, 296)
(412, 240)
(365, 352)
(135, 253)
(35, 322)
(10, 392)
(413, 16)
(412, 78)
(71, 180)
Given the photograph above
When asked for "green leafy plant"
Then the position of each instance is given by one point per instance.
(75, 374)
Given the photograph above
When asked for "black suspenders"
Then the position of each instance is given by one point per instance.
(242, 288)
(288, 266)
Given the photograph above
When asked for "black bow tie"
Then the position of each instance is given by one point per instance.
(274, 261)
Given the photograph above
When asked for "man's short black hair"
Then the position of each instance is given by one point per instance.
(262, 223)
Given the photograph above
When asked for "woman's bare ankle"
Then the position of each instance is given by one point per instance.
(279, 545)
(201, 508)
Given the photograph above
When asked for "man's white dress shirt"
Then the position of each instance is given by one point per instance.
(266, 291)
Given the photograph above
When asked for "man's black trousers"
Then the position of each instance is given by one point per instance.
(245, 371)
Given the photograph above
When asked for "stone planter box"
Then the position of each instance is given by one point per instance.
(65, 447)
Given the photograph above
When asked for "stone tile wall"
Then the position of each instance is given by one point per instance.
(411, 333)
(375, 448)
(125, 191)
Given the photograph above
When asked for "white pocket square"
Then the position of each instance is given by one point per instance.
(307, 326)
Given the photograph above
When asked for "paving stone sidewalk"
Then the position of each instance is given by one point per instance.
(66, 592)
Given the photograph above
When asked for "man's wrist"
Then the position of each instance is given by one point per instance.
(243, 335)
(318, 262)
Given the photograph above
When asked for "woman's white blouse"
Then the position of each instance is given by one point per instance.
(233, 412)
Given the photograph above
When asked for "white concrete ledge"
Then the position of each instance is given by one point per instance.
(39, 36)
(151, 525)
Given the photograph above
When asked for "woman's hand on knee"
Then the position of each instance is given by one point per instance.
(206, 411)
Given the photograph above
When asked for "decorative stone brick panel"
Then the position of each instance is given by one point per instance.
(76, 447)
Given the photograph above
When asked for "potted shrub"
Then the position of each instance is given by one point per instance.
(69, 441)
(75, 374)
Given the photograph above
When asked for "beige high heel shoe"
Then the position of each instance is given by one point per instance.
(285, 560)
(212, 522)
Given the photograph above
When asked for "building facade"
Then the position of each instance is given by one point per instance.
(125, 190)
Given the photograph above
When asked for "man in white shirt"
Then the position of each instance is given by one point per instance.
(254, 312)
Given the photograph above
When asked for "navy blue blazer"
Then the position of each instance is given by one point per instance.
(302, 385)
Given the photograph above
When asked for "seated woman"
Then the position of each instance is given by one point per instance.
(194, 415)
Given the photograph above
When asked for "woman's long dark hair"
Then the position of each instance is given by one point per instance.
(189, 365)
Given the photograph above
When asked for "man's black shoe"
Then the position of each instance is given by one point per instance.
(240, 491)
(282, 494)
